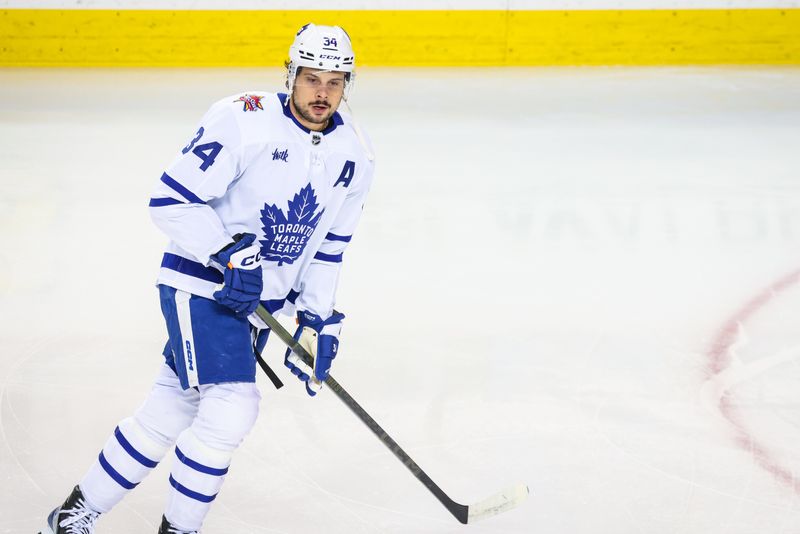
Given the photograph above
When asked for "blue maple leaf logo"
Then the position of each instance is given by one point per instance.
(286, 235)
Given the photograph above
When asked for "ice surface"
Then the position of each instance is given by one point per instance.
(540, 285)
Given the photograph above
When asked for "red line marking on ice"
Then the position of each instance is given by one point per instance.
(720, 359)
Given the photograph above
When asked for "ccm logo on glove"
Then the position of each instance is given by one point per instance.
(242, 282)
(247, 261)
(242, 253)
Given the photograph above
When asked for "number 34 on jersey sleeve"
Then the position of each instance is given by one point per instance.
(207, 152)
(201, 172)
(208, 163)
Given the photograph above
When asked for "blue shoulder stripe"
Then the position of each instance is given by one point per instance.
(188, 195)
(333, 258)
(334, 237)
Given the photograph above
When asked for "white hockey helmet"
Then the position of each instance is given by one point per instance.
(321, 47)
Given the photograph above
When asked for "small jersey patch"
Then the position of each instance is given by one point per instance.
(251, 102)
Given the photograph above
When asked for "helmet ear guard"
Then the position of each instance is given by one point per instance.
(321, 47)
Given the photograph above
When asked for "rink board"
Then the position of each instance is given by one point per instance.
(107, 37)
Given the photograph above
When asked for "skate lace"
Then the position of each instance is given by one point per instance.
(80, 519)
(173, 530)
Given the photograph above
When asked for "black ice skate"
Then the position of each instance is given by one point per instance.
(72, 517)
(168, 528)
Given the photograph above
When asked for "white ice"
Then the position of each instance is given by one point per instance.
(534, 294)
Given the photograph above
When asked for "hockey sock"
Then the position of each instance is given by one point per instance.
(127, 457)
(197, 475)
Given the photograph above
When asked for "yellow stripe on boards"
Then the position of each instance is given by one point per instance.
(403, 38)
(659, 37)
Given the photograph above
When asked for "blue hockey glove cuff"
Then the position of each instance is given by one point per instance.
(242, 275)
(320, 338)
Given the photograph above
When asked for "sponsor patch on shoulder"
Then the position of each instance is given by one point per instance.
(251, 102)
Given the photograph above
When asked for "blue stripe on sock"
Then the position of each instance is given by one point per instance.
(189, 493)
(119, 479)
(198, 466)
(136, 455)
(188, 195)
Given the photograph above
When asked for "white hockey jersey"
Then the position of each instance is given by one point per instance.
(252, 167)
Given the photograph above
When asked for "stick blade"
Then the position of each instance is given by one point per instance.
(497, 504)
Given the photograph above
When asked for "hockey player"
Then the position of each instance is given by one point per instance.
(259, 207)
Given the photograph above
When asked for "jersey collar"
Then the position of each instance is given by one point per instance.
(336, 119)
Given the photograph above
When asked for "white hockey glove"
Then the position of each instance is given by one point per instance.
(321, 340)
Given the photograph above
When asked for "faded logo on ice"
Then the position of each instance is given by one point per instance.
(286, 235)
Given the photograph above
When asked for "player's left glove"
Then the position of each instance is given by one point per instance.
(320, 338)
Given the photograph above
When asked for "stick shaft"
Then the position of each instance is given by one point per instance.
(459, 511)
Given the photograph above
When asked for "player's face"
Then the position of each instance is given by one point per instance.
(316, 95)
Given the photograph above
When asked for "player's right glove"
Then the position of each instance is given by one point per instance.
(242, 285)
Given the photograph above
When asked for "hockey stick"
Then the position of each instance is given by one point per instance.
(501, 502)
